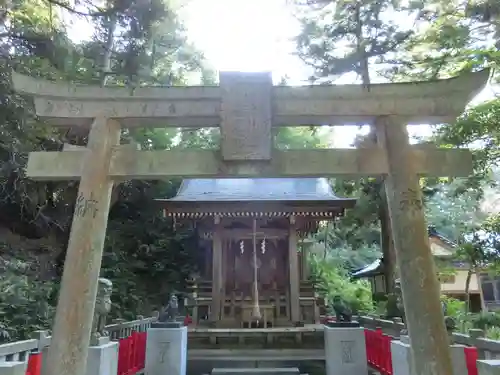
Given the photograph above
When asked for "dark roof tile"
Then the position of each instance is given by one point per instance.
(255, 189)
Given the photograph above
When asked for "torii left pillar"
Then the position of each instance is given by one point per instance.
(75, 308)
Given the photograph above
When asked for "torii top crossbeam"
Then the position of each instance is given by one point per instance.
(246, 106)
(426, 102)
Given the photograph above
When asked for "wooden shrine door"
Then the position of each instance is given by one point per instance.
(271, 267)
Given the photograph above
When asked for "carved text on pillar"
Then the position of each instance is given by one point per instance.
(411, 200)
(86, 206)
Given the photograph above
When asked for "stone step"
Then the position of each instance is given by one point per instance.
(256, 371)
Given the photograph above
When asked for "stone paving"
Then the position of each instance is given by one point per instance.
(256, 371)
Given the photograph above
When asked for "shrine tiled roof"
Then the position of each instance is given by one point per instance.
(377, 266)
(255, 189)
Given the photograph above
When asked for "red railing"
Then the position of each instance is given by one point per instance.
(34, 364)
(471, 357)
(378, 353)
(132, 354)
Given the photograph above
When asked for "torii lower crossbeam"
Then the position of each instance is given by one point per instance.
(131, 164)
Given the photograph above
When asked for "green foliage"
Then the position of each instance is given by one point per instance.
(448, 38)
(26, 304)
(458, 214)
(353, 241)
(477, 126)
(145, 256)
(331, 279)
(452, 37)
(493, 333)
(454, 307)
(454, 211)
(486, 320)
(345, 36)
(300, 137)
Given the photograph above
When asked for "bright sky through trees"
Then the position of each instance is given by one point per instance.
(246, 35)
(255, 35)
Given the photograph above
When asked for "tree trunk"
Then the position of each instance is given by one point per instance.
(467, 290)
(108, 49)
(387, 243)
(386, 240)
(5, 8)
(364, 71)
(105, 71)
(325, 250)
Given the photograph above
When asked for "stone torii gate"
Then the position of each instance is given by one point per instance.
(246, 107)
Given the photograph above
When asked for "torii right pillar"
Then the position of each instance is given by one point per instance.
(420, 287)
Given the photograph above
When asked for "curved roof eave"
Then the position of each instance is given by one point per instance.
(256, 189)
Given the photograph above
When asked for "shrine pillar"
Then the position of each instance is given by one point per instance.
(75, 308)
(304, 252)
(387, 245)
(294, 272)
(215, 312)
(420, 287)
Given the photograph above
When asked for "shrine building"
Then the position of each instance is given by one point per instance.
(250, 230)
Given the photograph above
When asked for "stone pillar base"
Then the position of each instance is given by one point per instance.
(345, 351)
(13, 368)
(103, 359)
(402, 362)
(166, 351)
(256, 371)
(488, 367)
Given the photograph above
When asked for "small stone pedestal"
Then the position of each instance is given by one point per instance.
(166, 349)
(488, 367)
(256, 371)
(103, 357)
(402, 362)
(345, 349)
(13, 368)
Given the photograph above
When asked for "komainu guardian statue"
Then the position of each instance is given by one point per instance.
(448, 320)
(170, 313)
(342, 313)
(168, 316)
(101, 311)
(399, 304)
(399, 299)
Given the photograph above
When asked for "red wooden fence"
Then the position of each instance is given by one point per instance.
(470, 360)
(132, 354)
(378, 353)
(34, 364)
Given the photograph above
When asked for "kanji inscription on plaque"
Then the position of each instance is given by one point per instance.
(164, 347)
(347, 348)
(246, 116)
